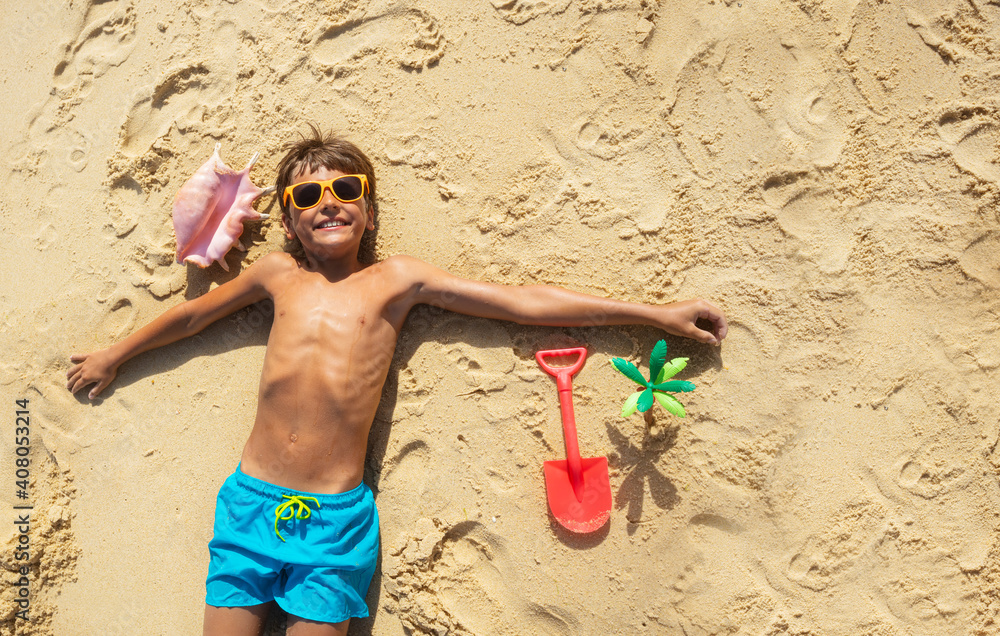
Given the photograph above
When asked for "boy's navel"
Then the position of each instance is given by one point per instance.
(293, 437)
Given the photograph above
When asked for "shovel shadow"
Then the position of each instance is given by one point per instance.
(639, 466)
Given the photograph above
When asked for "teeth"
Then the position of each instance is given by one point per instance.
(331, 224)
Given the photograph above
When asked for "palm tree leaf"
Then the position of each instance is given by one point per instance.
(645, 401)
(677, 386)
(670, 403)
(631, 404)
(656, 358)
(671, 369)
(629, 371)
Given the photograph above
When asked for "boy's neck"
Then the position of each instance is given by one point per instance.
(335, 268)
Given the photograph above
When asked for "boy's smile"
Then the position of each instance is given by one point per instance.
(330, 229)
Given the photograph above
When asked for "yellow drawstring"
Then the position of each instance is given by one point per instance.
(303, 511)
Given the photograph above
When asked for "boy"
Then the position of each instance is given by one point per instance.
(295, 523)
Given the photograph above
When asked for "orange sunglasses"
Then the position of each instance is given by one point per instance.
(308, 194)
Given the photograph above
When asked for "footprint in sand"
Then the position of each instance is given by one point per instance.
(928, 475)
(414, 388)
(795, 120)
(974, 136)
(609, 132)
(105, 40)
(424, 570)
(833, 551)
(809, 211)
(77, 149)
(177, 96)
(980, 260)
(485, 370)
(426, 46)
(126, 196)
(412, 36)
(521, 11)
(456, 580)
(119, 317)
(407, 467)
(102, 36)
(918, 68)
(151, 258)
(417, 150)
(185, 93)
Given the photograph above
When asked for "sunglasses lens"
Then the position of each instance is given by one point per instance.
(306, 195)
(348, 188)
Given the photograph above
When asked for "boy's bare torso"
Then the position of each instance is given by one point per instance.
(328, 354)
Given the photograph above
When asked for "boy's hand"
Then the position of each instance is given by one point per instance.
(99, 367)
(682, 318)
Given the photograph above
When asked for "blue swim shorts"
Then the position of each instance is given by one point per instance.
(314, 554)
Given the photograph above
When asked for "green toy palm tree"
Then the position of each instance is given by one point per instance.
(655, 389)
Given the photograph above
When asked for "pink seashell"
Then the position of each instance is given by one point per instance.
(209, 211)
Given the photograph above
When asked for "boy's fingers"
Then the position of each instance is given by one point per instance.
(97, 390)
(714, 315)
(707, 330)
(79, 383)
(74, 375)
(719, 326)
(697, 330)
(722, 328)
(706, 337)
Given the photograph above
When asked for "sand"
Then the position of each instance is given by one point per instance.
(827, 171)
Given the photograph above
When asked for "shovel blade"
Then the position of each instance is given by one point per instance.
(575, 515)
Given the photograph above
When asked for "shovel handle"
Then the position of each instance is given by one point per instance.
(564, 382)
(563, 375)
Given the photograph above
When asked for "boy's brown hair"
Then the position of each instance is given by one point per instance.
(325, 149)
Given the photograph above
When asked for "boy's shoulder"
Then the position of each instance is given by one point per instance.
(274, 262)
(403, 267)
(269, 266)
(276, 257)
(401, 261)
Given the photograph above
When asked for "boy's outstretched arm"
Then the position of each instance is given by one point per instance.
(100, 367)
(558, 307)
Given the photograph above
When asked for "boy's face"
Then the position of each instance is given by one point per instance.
(331, 228)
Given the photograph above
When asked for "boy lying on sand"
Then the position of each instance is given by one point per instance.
(295, 524)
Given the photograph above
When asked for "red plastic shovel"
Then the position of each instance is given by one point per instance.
(578, 488)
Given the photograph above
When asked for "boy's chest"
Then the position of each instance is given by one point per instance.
(332, 308)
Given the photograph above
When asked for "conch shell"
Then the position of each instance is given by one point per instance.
(209, 211)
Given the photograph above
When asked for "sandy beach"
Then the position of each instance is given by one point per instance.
(826, 171)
